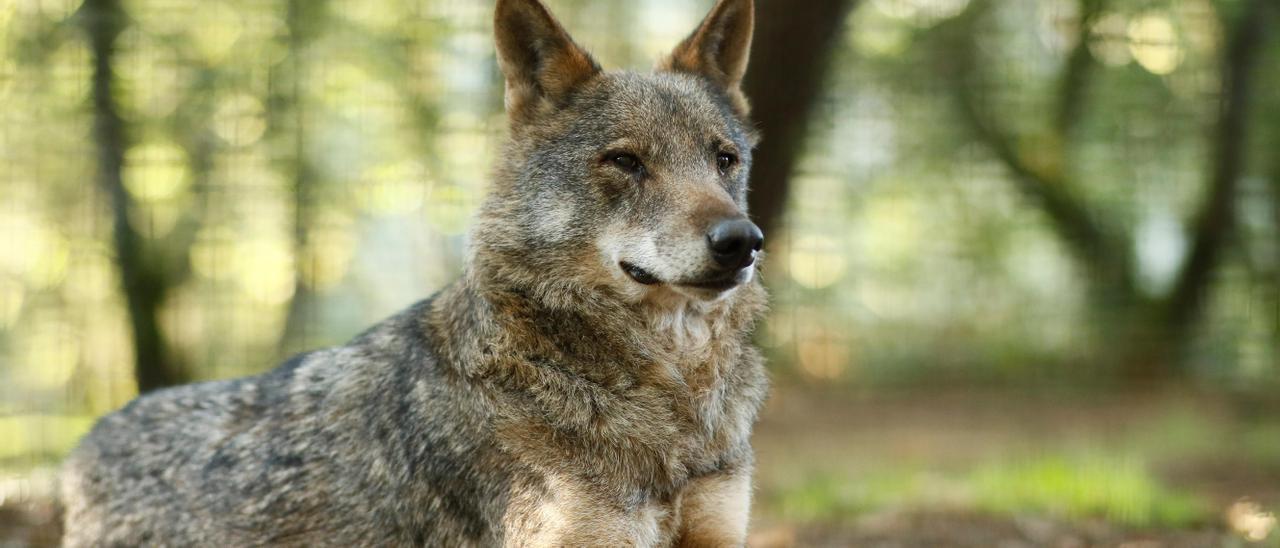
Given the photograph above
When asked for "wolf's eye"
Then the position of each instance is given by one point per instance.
(724, 161)
(626, 162)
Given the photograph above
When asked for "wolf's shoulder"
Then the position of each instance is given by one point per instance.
(406, 331)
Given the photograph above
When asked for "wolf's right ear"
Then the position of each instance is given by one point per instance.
(719, 48)
(538, 58)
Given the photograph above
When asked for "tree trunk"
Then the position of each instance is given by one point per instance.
(1272, 281)
(1215, 223)
(142, 279)
(790, 58)
(303, 19)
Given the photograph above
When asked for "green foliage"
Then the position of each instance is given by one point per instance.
(1070, 487)
(1117, 489)
(828, 497)
(36, 437)
(304, 168)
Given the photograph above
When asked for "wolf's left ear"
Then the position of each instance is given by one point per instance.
(719, 48)
(538, 58)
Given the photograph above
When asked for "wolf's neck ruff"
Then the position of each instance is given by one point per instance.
(581, 371)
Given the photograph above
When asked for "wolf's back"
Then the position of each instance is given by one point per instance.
(122, 485)
(363, 444)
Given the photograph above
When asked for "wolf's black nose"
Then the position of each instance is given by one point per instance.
(734, 242)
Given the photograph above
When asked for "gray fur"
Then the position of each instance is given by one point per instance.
(543, 399)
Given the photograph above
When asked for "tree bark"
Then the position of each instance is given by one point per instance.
(302, 19)
(142, 278)
(790, 58)
(1272, 282)
(1216, 220)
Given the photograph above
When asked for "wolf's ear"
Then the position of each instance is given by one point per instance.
(718, 49)
(538, 58)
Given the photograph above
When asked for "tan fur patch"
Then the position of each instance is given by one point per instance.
(568, 514)
(714, 511)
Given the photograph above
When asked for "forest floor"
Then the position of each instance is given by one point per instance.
(972, 468)
(1013, 468)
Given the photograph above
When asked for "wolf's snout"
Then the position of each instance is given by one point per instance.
(734, 242)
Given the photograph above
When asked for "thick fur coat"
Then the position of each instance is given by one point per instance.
(588, 381)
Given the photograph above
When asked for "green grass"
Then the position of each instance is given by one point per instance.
(1072, 487)
(1118, 489)
(830, 498)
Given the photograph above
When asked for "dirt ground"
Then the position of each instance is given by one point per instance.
(844, 435)
(848, 435)
(29, 525)
(944, 530)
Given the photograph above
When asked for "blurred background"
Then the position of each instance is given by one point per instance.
(1024, 256)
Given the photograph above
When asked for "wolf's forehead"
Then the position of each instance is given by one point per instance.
(670, 105)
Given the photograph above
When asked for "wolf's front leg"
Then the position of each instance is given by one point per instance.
(565, 512)
(714, 510)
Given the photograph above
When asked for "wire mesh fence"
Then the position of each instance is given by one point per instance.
(988, 191)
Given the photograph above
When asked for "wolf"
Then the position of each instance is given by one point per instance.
(588, 381)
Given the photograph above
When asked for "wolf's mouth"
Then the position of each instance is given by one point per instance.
(640, 275)
(718, 284)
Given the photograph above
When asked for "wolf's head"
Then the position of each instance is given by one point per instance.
(621, 181)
